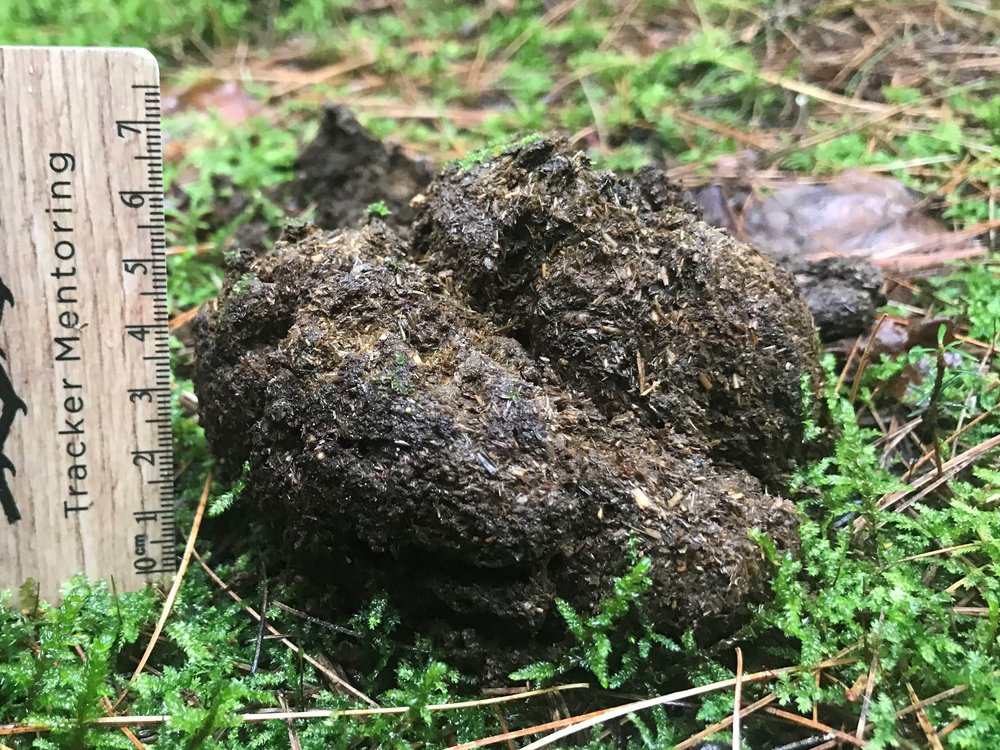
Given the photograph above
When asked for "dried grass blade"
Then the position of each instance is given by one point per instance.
(178, 579)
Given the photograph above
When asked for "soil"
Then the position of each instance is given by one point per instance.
(637, 304)
(398, 441)
(345, 169)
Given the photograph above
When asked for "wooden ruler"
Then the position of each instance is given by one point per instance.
(86, 466)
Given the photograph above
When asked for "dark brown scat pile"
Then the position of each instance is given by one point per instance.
(345, 169)
(637, 304)
(842, 293)
(397, 440)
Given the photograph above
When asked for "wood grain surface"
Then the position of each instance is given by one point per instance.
(86, 469)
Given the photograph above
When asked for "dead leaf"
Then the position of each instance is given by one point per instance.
(227, 98)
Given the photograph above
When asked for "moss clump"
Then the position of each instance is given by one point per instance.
(493, 150)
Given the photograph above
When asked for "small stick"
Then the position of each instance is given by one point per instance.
(847, 364)
(950, 727)
(815, 711)
(315, 620)
(865, 358)
(930, 482)
(942, 551)
(261, 624)
(181, 319)
(322, 713)
(330, 675)
(537, 729)
(951, 438)
(866, 704)
(614, 713)
(737, 698)
(807, 743)
(109, 709)
(293, 735)
(934, 407)
(943, 695)
(870, 685)
(720, 725)
(925, 723)
(641, 368)
(818, 726)
(178, 578)
(981, 371)
(504, 726)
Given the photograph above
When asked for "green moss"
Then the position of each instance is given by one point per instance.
(378, 208)
(495, 149)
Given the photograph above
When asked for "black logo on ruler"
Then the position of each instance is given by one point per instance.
(11, 405)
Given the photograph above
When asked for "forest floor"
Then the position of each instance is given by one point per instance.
(883, 632)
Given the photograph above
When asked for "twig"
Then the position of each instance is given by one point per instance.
(865, 358)
(552, 16)
(10, 730)
(109, 709)
(925, 724)
(293, 735)
(624, 18)
(595, 111)
(202, 247)
(320, 713)
(261, 624)
(942, 551)
(950, 727)
(943, 695)
(178, 578)
(806, 743)
(614, 713)
(927, 484)
(972, 611)
(951, 438)
(315, 620)
(509, 736)
(847, 364)
(740, 136)
(295, 80)
(867, 702)
(694, 739)
(981, 371)
(737, 699)
(934, 407)
(890, 441)
(504, 726)
(776, 79)
(181, 319)
(819, 726)
(333, 678)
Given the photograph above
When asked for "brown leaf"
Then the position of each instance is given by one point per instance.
(228, 98)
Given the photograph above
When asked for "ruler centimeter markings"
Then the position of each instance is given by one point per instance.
(86, 450)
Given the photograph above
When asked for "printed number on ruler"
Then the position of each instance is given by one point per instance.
(158, 460)
(86, 462)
